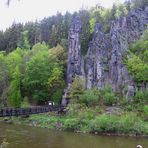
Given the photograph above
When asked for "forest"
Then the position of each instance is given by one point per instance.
(33, 66)
(33, 55)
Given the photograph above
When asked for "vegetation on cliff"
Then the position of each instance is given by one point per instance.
(137, 59)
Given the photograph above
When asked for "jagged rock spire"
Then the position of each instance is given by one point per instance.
(74, 53)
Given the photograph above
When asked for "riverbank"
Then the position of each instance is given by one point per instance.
(106, 121)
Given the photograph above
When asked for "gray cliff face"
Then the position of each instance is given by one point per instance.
(96, 61)
(123, 32)
(74, 53)
(103, 63)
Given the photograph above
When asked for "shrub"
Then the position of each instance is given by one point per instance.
(71, 124)
(90, 97)
(145, 109)
(104, 123)
(73, 109)
(108, 95)
(25, 103)
(93, 97)
(77, 88)
(141, 96)
(126, 122)
(109, 98)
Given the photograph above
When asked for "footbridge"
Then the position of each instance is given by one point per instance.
(5, 112)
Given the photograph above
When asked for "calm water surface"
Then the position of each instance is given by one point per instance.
(30, 137)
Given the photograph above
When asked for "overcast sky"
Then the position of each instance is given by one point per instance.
(30, 10)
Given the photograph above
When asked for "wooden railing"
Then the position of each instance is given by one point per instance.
(4, 112)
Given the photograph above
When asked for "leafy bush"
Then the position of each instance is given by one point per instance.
(104, 123)
(71, 124)
(25, 103)
(145, 109)
(128, 123)
(94, 97)
(137, 62)
(73, 109)
(90, 97)
(141, 96)
(109, 99)
(77, 88)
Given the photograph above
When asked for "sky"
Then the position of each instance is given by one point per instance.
(31, 10)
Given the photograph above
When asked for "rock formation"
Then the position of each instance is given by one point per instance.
(75, 60)
(104, 59)
(74, 53)
(96, 61)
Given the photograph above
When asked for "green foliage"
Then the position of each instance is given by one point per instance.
(77, 87)
(86, 30)
(13, 61)
(137, 64)
(128, 123)
(14, 90)
(37, 74)
(109, 98)
(141, 96)
(39, 47)
(4, 79)
(138, 69)
(25, 103)
(71, 124)
(43, 78)
(90, 97)
(56, 84)
(95, 97)
(23, 42)
(145, 109)
(73, 109)
(104, 123)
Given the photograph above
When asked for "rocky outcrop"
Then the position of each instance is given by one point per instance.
(104, 59)
(75, 61)
(74, 53)
(96, 61)
(103, 63)
(124, 31)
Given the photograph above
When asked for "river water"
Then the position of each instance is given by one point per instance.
(19, 136)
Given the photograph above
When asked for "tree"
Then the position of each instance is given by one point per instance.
(137, 64)
(77, 88)
(86, 33)
(4, 80)
(56, 84)
(36, 76)
(23, 42)
(2, 41)
(14, 90)
(12, 36)
(13, 61)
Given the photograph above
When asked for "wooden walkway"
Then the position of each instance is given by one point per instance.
(5, 112)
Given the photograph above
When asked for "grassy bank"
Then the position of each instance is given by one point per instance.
(98, 120)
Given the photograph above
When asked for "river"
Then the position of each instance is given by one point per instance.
(20, 136)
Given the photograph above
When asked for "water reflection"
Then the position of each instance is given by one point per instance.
(30, 137)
